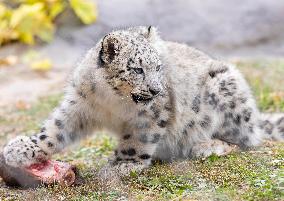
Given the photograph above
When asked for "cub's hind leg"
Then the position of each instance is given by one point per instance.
(228, 94)
(205, 149)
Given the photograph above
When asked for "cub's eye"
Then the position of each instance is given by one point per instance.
(158, 68)
(138, 70)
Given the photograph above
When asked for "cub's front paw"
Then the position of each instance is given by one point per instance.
(23, 152)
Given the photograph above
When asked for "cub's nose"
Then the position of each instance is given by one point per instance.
(155, 91)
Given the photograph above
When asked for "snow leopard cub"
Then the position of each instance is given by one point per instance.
(163, 100)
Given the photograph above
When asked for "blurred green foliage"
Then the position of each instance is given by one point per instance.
(26, 20)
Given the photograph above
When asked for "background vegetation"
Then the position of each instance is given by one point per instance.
(28, 20)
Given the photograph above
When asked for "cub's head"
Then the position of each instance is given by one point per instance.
(131, 59)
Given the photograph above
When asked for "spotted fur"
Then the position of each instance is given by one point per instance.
(163, 100)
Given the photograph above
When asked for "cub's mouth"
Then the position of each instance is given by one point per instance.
(141, 98)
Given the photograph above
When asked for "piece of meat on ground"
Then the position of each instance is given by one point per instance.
(48, 172)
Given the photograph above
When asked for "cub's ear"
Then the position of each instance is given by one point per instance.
(152, 34)
(110, 49)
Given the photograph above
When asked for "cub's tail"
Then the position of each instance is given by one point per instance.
(272, 125)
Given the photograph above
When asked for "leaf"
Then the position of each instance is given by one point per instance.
(45, 32)
(41, 65)
(56, 8)
(27, 38)
(30, 21)
(85, 10)
(33, 19)
(3, 10)
(25, 11)
(5, 34)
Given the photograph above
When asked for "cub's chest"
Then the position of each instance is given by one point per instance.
(115, 111)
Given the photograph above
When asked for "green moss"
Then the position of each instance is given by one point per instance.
(161, 182)
(231, 170)
(254, 175)
(113, 195)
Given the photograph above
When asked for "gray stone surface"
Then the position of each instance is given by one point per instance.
(225, 27)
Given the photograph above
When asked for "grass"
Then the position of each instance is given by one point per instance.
(266, 80)
(252, 175)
